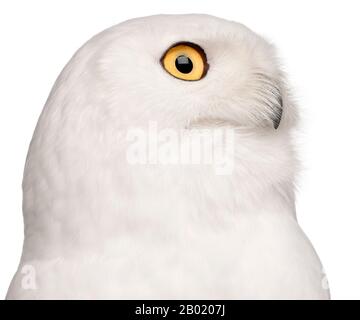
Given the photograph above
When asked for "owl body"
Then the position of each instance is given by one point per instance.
(103, 222)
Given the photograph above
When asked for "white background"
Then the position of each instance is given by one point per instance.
(319, 42)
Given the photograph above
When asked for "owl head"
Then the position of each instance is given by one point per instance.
(181, 71)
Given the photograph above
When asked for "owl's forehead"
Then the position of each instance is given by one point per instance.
(158, 32)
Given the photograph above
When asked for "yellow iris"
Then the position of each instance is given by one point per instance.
(185, 61)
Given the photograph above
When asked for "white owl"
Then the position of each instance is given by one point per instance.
(100, 223)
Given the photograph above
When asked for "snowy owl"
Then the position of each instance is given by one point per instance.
(117, 206)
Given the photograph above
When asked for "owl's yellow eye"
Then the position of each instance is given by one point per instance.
(185, 61)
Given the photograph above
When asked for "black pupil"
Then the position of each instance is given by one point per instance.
(183, 64)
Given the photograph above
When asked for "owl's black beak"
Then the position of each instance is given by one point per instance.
(277, 115)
